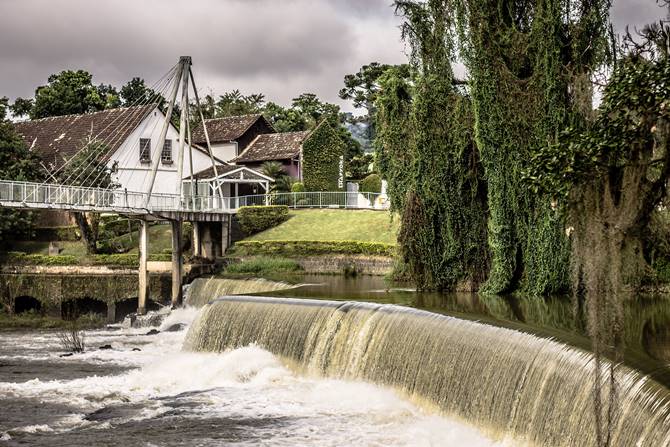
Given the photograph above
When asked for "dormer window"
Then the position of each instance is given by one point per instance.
(145, 150)
(166, 153)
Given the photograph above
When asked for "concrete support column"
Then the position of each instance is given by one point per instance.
(111, 312)
(197, 239)
(208, 244)
(177, 263)
(225, 235)
(143, 292)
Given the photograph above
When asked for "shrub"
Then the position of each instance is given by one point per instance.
(371, 183)
(118, 227)
(18, 258)
(264, 265)
(291, 248)
(254, 219)
(298, 187)
(48, 234)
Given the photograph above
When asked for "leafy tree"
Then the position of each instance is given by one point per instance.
(21, 107)
(136, 91)
(285, 119)
(89, 167)
(235, 103)
(363, 87)
(69, 92)
(16, 163)
(109, 95)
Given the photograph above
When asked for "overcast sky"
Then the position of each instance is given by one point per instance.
(277, 47)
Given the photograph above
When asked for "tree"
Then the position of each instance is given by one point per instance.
(69, 92)
(363, 87)
(235, 103)
(89, 167)
(21, 107)
(109, 96)
(136, 92)
(16, 163)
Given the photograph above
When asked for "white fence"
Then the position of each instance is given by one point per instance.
(29, 195)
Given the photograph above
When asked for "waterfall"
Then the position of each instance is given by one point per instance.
(510, 384)
(203, 290)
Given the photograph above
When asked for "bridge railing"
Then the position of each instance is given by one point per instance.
(326, 199)
(80, 198)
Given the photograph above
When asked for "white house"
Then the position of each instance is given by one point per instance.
(130, 136)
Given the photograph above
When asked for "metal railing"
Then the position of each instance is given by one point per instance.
(353, 200)
(29, 195)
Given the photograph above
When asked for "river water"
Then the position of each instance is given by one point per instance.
(145, 391)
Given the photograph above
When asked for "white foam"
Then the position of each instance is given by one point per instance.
(248, 382)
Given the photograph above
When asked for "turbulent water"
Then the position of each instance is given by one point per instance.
(512, 385)
(203, 290)
(161, 396)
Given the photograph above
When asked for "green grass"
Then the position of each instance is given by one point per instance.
(263, 265)
(334, 225)
(35, 320)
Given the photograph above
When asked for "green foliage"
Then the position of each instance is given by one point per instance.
(371, 183)
(261, 265)
(393, 155)
(426, 150)
(323, 160)
(69, 92)
(254, 219)
(307, 248)
(136, 92)
(16, 163)
(70, 233)
(298, 187)
(18, 258)
(360, 166)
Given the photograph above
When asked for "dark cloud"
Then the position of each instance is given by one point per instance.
(279, 47)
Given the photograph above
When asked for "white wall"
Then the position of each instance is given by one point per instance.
(135, 176)
(225, 151)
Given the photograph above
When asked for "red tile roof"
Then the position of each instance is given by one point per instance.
(273, 146)
(56, 139)
(223, 130)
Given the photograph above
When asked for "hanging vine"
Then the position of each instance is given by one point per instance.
(436, 180)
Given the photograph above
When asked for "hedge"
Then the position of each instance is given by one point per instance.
(19, 258)
(288, 248)
(254, 219)
(48, 234)
(371, 183)
(118, 260)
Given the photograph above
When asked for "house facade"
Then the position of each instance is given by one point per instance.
(130, 136)
(285, 148)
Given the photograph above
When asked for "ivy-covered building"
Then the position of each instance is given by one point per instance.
(314, 157)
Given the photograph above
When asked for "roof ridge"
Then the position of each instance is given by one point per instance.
(234, 116)
(87, 113)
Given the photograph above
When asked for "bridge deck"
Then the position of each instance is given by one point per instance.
(37, 196)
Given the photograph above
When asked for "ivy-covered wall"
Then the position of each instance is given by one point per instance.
(323, 157)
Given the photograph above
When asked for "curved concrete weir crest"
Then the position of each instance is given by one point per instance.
(510, 384)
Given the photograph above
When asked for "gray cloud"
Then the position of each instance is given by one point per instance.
(279, 47)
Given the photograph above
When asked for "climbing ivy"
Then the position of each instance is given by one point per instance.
(436, 178)
(529, 64)
(322, 159)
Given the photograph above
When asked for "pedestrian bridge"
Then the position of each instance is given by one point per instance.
(37, 196)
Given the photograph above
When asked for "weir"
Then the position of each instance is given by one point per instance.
(510, 384)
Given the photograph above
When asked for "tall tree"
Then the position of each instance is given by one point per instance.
(16, 163)
(529, 64)
(68, 92)
(443, 228)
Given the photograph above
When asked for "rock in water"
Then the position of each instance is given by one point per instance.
(153, 332)
(175, 327)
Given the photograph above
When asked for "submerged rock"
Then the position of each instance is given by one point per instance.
(175, 327)
(105, 347)
(68, 354)
(153, 332)
(136, 349)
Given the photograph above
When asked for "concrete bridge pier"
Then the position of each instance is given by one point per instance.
(177, 263)
(143, 291)
(211, 239)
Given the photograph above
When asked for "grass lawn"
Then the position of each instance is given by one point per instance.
(334, 225)
(160, 240)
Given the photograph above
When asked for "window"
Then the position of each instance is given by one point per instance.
(166, 153)
(145, 150)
